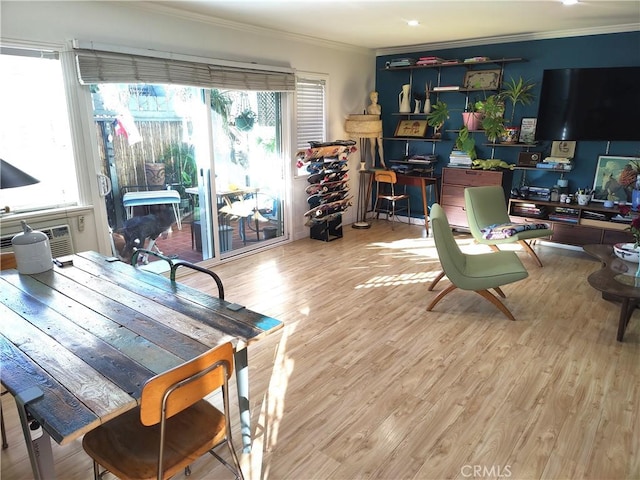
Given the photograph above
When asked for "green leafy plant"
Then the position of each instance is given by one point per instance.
(466, 143)
(437, 116)
(518, 92)
(180, 164)
(493, 121)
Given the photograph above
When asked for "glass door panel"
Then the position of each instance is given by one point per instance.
(150, 139)
(249, 169)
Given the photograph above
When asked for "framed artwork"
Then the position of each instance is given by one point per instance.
(615, 178)
(563, 149)
(411, 128)
(482, 79)
(528, 130)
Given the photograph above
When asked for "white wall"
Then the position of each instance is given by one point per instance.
(139, 25)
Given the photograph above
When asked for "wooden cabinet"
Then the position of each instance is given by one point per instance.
(455, 180)
(574, 224)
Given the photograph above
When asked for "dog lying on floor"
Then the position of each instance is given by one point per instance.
(137, 230)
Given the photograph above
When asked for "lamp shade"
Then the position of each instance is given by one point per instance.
(363, 126)
(11, 177)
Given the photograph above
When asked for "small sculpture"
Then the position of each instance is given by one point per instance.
(375, 109)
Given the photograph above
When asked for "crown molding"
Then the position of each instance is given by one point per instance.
(244, 27)
(474, 42)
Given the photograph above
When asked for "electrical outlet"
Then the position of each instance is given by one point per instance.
(81, 223)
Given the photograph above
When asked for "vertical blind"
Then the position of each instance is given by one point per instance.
(310, 112)
(96, 66)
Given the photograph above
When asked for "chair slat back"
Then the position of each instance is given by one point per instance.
(194, 380)
(385, 176)
(485, 206)
(8, 261)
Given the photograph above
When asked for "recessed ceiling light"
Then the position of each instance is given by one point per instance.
(570, 2)
(413, 23)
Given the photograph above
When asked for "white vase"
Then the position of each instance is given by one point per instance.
(417, 108)
(427, 104)
(404, 99)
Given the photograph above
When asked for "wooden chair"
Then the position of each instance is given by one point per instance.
(7, 261)
(477, 273)
(486, 208)
(175, 264)
(386, 190)
(173, 426)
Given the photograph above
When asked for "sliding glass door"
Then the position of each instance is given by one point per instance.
(193, 173)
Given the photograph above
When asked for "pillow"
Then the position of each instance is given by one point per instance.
(506, 230)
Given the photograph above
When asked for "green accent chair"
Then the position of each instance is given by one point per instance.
(486, 206)
(477, 273)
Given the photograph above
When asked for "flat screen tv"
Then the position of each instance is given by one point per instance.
(590, 104)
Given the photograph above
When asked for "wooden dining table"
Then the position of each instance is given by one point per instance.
(78, 343)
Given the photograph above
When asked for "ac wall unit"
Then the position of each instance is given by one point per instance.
(59, 239)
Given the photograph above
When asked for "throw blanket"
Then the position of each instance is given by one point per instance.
(506, 230)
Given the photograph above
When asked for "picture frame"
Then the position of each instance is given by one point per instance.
(482, 79)
(563, 149)
(528, 130)
(411, 128)
(615, 178)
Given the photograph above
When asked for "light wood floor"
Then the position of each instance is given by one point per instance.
(364, 383)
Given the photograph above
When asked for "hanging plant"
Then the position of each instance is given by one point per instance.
(245, 121)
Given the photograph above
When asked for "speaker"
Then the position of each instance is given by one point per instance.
(529, 159)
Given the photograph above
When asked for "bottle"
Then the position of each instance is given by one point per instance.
(635, 195)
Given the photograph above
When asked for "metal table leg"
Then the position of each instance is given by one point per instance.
(36, 438)
(242, 380)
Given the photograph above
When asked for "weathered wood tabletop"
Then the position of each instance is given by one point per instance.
(89, 336)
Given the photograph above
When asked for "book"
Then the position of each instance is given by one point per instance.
(446, 88)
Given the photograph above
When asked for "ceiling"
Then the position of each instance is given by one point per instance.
(377, 24)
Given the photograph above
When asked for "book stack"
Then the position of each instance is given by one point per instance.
(429, 60)
(530, 210)
(458, 158)
(426, 159)
(558, 163)
(401, 62)
(567, 215)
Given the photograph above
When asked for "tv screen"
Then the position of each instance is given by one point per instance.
(590, 104)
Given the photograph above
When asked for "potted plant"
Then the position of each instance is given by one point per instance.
(472, 117)
(437, 116)
(516, 92)
(493, 120)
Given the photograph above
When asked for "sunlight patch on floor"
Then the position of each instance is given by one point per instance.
(265, 435)
(399, 279)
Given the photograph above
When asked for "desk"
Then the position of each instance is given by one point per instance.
(414, 181)
(617, 281)
(153, 197)
(88, 337)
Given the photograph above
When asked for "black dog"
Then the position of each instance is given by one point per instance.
(137, 230)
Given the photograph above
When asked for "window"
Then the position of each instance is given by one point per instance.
(35, 135)
(311, 113)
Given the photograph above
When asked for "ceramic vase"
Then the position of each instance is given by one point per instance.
(417, 108)
(404, 99)
(472, 120)
(427, 104)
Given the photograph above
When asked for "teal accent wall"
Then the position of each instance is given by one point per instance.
(610, 50)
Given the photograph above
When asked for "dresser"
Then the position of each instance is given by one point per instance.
(455, 180)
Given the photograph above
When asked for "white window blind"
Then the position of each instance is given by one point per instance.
(96, 66)
(310, 100)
